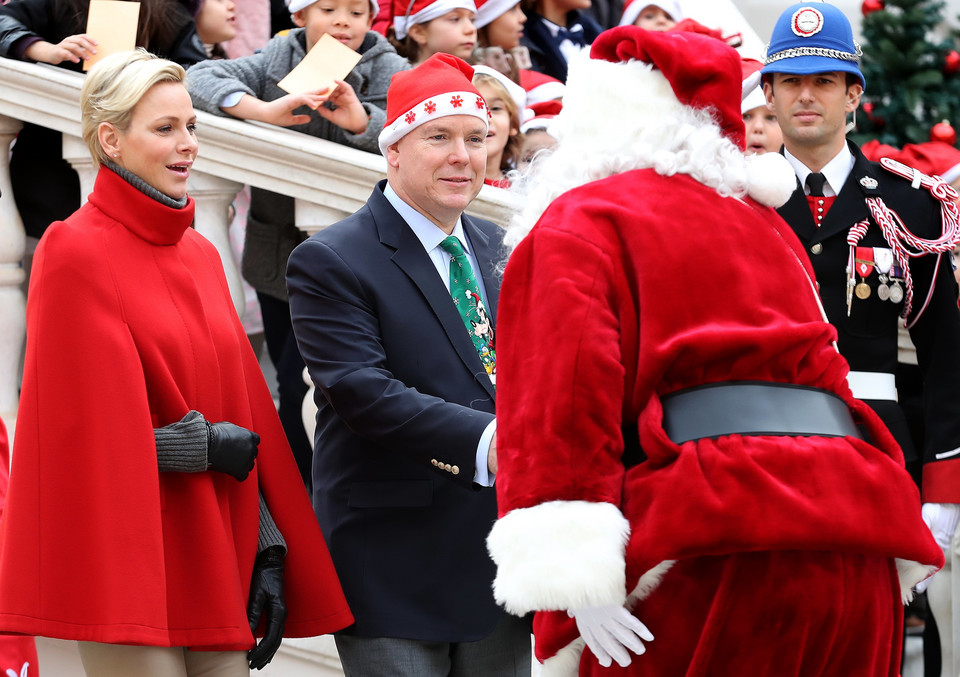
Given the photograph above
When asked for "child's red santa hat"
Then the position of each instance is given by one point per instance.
(540, 87)
(701, 73)
(438, 87)
(488, 10)
(407, 13)
(297, 5)
(632, 9)
(543, 114)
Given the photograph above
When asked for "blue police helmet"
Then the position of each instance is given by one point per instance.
(813, 37)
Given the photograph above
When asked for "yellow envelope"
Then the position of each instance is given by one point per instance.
(329, 60)
(113, 25)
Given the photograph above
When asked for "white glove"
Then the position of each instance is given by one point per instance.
(609, 631)
(942, 520)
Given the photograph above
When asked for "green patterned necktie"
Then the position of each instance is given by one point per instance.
(466, 297)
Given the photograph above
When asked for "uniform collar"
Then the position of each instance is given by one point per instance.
(836, 171)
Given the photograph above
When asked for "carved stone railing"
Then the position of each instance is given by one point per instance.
(328, 181)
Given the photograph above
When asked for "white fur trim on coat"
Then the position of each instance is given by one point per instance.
(566, 662)
(559, 555)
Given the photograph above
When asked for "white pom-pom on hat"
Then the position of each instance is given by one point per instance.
(770, 179)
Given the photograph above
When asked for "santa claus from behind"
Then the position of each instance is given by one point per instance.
(679, 454)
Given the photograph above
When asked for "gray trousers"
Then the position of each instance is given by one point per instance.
(504, 653)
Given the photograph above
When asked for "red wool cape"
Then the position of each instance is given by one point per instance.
(129, 326)
(630, 288)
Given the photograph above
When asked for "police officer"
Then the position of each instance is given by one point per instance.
(873, 269)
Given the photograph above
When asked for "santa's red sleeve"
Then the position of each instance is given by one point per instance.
(561, 537)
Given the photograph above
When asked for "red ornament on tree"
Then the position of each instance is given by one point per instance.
(868, 109)
(870, 6)
(951, 62)
(944, 131)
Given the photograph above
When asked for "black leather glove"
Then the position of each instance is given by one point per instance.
(231, 449)
(266, 597)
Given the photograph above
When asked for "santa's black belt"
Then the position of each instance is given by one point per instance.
(755, 408)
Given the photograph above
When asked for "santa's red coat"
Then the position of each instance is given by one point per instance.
(630, 288)
(129, 326)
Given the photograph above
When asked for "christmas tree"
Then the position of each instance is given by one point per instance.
(912, 75)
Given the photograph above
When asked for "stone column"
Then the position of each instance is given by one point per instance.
(213, 196)
(12, 304)
(311, 217)
(75, 152)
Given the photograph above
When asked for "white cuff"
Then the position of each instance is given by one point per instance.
(231, 99)
(559, 555)
(481, 471)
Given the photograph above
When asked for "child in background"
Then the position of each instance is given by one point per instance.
(354, 112)
(422, 28)
(555, 30)
(499, 30)
(651, 16)
(763, 130)
(503, 133)
(247, 88)
(216, 23)
(537, 132)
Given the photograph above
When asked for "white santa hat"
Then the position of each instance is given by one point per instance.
(440, 86)
(488, 10)
(632, 9)
(752, 93)
(407, 13)
(515, 91)
(297, 5)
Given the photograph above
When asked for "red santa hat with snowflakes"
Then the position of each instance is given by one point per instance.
(439, 86)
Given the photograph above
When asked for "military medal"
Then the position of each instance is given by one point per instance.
(864, 265)
(883, 259)
(883, 291)
(896, 291)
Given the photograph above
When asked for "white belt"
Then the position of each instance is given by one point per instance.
(872, 385)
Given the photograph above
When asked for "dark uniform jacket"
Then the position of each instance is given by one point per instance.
(868, 337)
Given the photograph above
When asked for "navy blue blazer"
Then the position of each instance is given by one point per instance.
(401, 394)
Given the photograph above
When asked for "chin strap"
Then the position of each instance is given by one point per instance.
(906, 245)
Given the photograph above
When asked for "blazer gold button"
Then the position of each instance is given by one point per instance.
(434, 461)
(455, 470)
(816, 249)
(447, 467)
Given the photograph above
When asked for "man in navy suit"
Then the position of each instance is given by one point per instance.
(404, 362)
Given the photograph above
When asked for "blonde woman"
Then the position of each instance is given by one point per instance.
(155, 512)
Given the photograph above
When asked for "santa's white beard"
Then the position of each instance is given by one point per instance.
(625, 116)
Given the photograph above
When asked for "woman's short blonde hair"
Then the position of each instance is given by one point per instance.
(114, 87)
